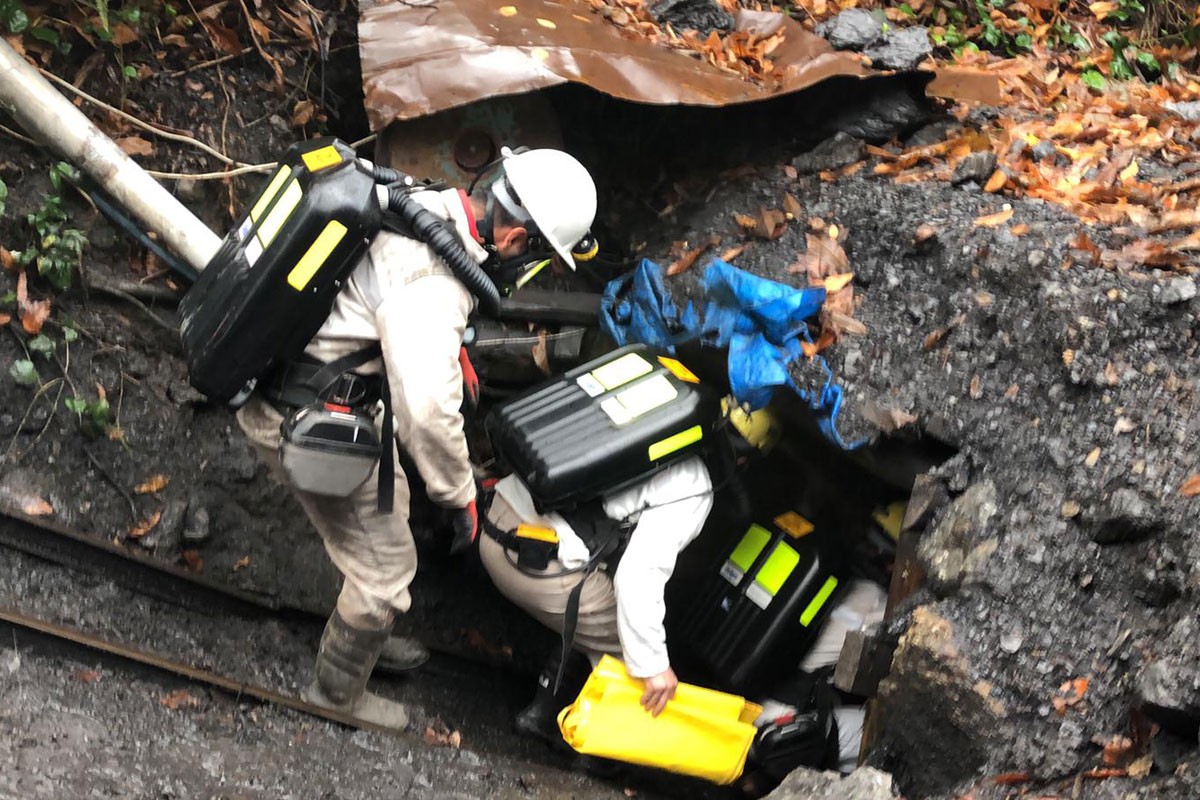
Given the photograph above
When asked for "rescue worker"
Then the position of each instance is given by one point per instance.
(621, 610)
(403, 298)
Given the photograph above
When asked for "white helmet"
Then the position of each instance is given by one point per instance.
(556, 193)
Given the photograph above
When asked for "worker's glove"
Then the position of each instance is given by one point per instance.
(470, 377)
(465, 523)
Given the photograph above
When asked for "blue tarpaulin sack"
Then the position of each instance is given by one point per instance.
(761, 321)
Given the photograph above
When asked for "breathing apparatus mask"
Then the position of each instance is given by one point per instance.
(517, 271)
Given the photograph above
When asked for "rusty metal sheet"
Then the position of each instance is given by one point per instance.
(421, 58)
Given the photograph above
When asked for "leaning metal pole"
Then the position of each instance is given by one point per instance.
(49, 117)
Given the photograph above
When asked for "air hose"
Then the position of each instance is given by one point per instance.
(431, 229)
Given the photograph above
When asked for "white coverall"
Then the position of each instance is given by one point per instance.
(404, 297)
(623, 614)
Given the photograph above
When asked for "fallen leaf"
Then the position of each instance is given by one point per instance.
(770, 224)
(1116, 750)
(1092, 457)
(835, 283)
(241, 563)
(792, 207)
(36, 507)
(996, 182)
(1020, 229)
(689, 257)
(745, 221)
(924, 233)
(135, 146)
(730, 253)
(155, 483)
(1191, 486)
(1140, 767)
(994, 220)
(302, 113)
(1124, 425)
(1129, 172)
(1009, 778)
(439, 734)
(145, 526)
(33, 313)
(86, 675)
(887, 420)
(7, 259)
(123, 34)
(541, 356)
(5, 318)
(192, 560)
(844, 323)
(935, 337)
(180, 698)
(1012, 391)
(975, 390)
(1069, 694)
(1143, 252)
(1084, 244)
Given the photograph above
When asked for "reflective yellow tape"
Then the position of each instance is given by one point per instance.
(537, 532)
(622, 371)
(321, 158)
(316, 254)
(794, 525)
(272, 189)
(778, 568)
(672, 443)
(815, 604)
(677, 369)
(749, 547)
(283, 208)
(532, 273)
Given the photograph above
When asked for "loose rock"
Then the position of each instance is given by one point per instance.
(840, 150)
(977, 167)
(1189, 111)
(1169, 687)
(1123, 516)
(900, 49)
(853, 29)
(700, 15)
(958, 545)
(866, 783)
(1178, 290)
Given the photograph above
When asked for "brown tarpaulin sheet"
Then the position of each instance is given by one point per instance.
(424, 56)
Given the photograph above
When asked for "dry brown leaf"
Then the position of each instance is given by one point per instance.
(771, 223)
(730, 253)
(541, 356)
(1124, 425)
(1191, 486)
(145, 526)
(745, 221)
(5, 318)
(689, 257)
(835, 283)
(792, 207)
(86, 675)
(824, 257)
(439, 734)
(241, 563)
(192, 560)
(36, 507)
(842, 322)
(1116, 750)
(302, 113)
(1020, 229)
(155, 483)
(935, 337)
(1084, 244)
(996, 182)
(1143, 252)
(123, 34)
(1092, 457)
(33, 313)
(180, 698)
(924, 233)
(7, 259)
(135, 146)
(888, 420)
(994, 220)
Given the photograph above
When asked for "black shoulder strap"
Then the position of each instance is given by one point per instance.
(323, 378)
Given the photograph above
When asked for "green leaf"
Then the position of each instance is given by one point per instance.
(42, 344)
(1092, 77)
(1119, 70)
(24, 373)
(8, 297)
(69, 334)
(907, 10)
(76, 404)
(45, 34)
(17, 21)
(128, 71)
(1024, 41)
(1148, 61)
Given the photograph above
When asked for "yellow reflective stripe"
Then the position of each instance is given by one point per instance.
(280, 212)
(272, 189)
(537, 532)
(316, 254)
(677, 369)
(622, 371)
(672, 443)
(815, 604)
(532, 273)
(321, 158)
(778, 567)
(749, 547)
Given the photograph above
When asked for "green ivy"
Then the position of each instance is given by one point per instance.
(13, 16)
(57, 248)
(94, 416)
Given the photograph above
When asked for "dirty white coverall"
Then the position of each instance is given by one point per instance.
(404, 297)
(619, 614)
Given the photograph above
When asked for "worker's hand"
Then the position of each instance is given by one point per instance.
(466, 528)
(470, 377)
(659, 689)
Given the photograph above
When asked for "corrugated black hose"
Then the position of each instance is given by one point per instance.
(429, 228)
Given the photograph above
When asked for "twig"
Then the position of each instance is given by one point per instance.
(212, 62)
(211, 176)
(364, 140)
(146, 126)
(45, 387)
(104, 473)
(272, 63)
(127, 297)
(20, 137)
(141, 291)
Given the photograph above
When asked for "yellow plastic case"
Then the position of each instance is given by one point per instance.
(702, 732)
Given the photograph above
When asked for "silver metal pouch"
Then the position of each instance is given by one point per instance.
(329, 449)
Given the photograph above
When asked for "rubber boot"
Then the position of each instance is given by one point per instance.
(344, 663)
(401, 654)
(540, 718)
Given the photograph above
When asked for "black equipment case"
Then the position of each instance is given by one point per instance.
(756, 612)
(603, 426)
(286, 260)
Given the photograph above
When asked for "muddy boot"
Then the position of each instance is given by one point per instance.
(540, 718)
(401, 654)
(344, 663)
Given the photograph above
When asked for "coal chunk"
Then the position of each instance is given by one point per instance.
(1169, 687)
(1123, 516)
(853, 29)
(901, 49)
(704, 16)
(977, 167)
(838, 151)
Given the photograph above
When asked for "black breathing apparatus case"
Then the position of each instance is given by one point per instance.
(603, 426)
(759, 608)
(272, 283)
